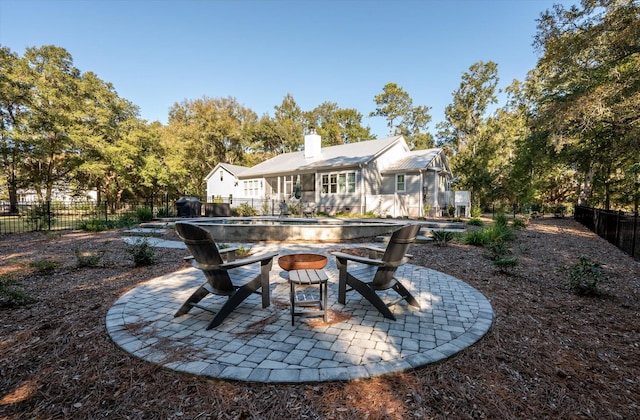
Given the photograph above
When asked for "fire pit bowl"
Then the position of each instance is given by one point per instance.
(302, 262)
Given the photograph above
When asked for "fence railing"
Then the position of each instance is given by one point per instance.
(619, 228)
(48, 216)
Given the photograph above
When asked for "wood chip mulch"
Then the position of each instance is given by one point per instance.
(549, 353)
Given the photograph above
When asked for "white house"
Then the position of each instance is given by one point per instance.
(381, 176)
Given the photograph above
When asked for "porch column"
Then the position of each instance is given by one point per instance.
(363, 195)
(436, 188)
(279, 190)
(421, 195)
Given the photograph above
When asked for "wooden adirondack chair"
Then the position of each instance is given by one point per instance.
(384, 278)
(207, 258)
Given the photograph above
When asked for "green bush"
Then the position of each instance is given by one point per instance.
(501, 220)
(126, 221)
(11, 293)
(243, 251)
(475, 222)
(245, 210)
(442, 237)
(88, 259)
(518, 223)
(584, 277)
(499, 232)
(476, 238)
(476, 211)
(144, 214)
(96, 225)
(498, 249)
(164, 212)
(142, 252)
(504, 264)
(44, 266)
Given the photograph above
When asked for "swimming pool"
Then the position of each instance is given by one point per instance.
(238, 229)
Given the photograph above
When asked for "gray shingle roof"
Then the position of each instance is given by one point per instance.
(346, 155)
(414, 160)
(234, 169)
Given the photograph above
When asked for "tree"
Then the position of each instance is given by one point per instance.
(290, 118)
(54, 106)
(395, 104)
(589, 104)
(468, 134)
(14, 101)
(109, 155)
(205, 132)
(337, 125)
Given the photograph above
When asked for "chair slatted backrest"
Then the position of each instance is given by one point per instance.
(399, 243)
(200, 244)
(395, 253)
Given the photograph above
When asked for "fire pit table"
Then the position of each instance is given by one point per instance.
(306, 270)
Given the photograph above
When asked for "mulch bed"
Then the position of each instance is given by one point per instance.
(549, 353)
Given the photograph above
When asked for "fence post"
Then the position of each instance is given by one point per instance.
(635, 234)
(617, 234)
(49, 215)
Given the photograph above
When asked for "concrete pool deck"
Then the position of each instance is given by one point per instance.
(260, 345)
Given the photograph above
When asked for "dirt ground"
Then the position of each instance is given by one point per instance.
(549, 353)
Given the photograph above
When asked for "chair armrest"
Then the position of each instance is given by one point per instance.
(381, 250)
(246, 261)
(356, 258)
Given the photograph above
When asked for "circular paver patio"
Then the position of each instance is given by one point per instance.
(260, 345)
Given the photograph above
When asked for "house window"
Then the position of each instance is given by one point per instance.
(252, 188)
(343, 183)
(351, 182)
(400, 183)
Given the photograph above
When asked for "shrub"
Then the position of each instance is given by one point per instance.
(243, 251)
(501, 220)
(126, 220)
(11, 294)
(44, 266)
(476, 211)
(519, 223)
(88, 259)
(584, 277)
(442, 237)
(477, 238)
(475, 222)
(498, 249)
(96, 225)
(504, 264)
(142, 252)
(245, 210)
(164, 212)
(144, 214)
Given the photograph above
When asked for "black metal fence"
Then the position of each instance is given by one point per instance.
(58, 215)
(619, 228)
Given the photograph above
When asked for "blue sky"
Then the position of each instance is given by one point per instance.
(159, 52)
